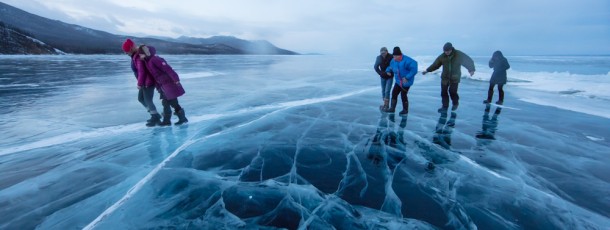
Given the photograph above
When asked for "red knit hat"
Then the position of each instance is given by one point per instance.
(127, 45)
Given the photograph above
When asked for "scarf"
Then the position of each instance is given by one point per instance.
(398, 59)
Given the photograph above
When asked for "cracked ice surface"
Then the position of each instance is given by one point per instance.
(287, 142)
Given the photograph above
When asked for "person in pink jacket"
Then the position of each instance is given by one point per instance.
(146, 85)
(168, 84)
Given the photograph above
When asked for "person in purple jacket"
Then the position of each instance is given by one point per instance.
(168, 84)
(146, 85)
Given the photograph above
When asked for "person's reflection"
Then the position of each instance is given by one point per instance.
(388, 143)
(444, 129)
(489, 125)
(381, 127)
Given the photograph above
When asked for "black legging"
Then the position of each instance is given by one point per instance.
(173, 103)
(490, 92)
(167, 103)
(403, 93)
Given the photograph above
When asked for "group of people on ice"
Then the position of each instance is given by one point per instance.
(152, 72)
(401, 69)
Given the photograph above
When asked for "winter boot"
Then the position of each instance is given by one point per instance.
(151, 116)
(490, 95)
(405, 108)
(454, 107)
(385, 105)
(181, 117)
(392, 109)
(501, 99)
(166, 120)
(154, 120)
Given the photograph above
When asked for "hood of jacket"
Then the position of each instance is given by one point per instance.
(152, 51)
(149, 51)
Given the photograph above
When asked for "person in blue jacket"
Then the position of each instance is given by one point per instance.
(404, 69)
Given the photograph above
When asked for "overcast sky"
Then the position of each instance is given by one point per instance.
(359, 27)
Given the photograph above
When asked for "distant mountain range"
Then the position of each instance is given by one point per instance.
(15, 41)
(25, 33)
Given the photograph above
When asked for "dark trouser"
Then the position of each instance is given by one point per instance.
(402, 91)
(403, 96)
(447, 90)
(173, 103)
(145, 97)
(167, 103)
(490, 92)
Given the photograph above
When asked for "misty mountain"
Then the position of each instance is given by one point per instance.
(14, 41)
(250, 47)
(66, 37)
(70, 38)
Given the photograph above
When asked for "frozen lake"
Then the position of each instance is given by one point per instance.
(298, 142)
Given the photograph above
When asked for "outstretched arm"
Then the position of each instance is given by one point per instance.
(435, 65)
(468, 63)
(389, 69)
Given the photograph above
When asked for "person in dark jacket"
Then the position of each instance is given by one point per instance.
(452, 60)
(499, 63)
(404, 70)
(146, 85)
(381, 64)
(168, 84)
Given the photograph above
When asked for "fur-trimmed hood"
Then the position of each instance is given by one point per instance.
(148, 51)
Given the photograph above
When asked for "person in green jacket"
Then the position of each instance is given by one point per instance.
(452, 61)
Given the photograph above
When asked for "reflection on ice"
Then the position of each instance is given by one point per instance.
(444, 129)
(489, 125)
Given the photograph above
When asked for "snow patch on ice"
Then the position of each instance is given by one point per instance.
(18, 85)
(567, 102)
(595, 138)
(202, 74)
